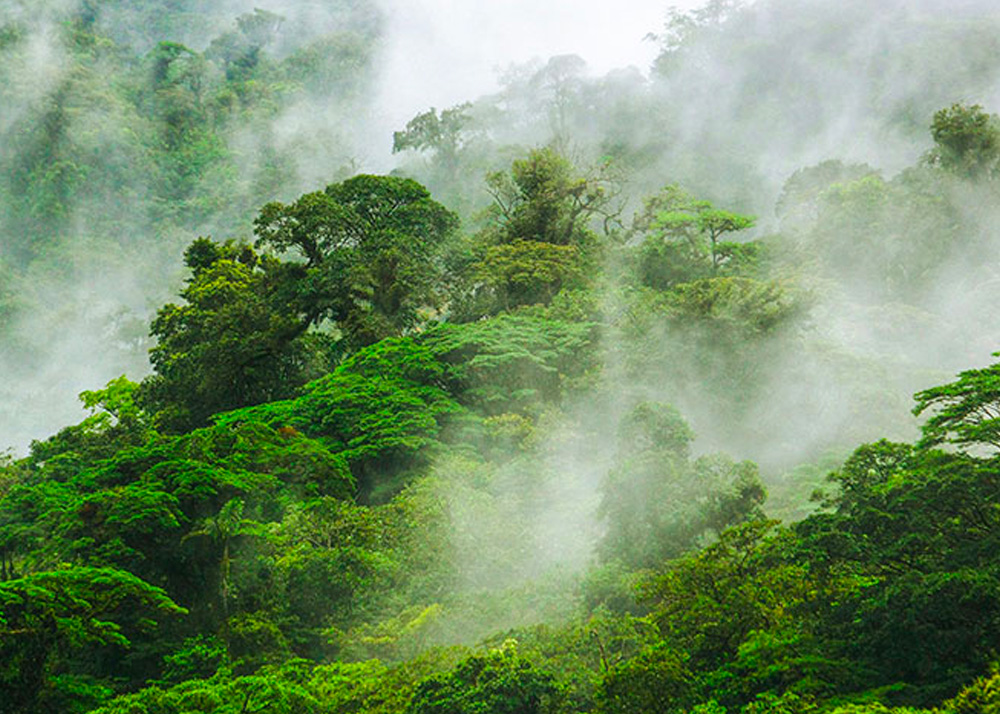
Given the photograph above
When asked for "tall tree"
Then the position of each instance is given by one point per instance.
(232, 344)
(675, 217)
(445, 135)
(369, 250)
(540, 236)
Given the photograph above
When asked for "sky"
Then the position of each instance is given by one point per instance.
(443, 52)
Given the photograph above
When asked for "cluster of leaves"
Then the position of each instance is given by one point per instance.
(370, 247)
(681, 240)
(232, 343)
(539, 239)
(885, 601)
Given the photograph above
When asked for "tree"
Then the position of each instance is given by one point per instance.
(798, 206)
(545, 199)
(967, 142)
(222, 529)
(273, 689)
(47, 618)
(707, 603)
(558, 86)
(905, 228)
(980, 697)
(498, 682)
(234, 343)
(540, 238)
(713, 341)
(966, 411)
(684, 30)
(444, 135)
(915, 531)
(239, 50)
(528, 272)
(675, 216)
(512, 363)
(369, 247)
(657, 503)
(656, 681)
(380, 410)
(338, 560)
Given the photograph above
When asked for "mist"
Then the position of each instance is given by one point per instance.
(428, 54)
(597, 392)
(730, 122)
(756, 94)
(441, 53)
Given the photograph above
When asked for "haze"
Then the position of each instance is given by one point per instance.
(443, 52)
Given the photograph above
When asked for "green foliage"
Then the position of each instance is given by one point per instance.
(233, 344)
(292, 380)
(544, 199)
(801, 196)
(882, 239)
(336, 64)
(966, 412)
(655, 680)
(707, 603)
(116, 422)
(967, 141)
(442, 135)
(139, 143)
(539, 239)
(878, 708)
(117, 399)
(199, 657)
(665, 264)
(682, 240)
(702, 222)
(47, 617)
(527, 272)
(651, 426)
(683, 30)
(782, 670)
(370, 246)
(239, 51)
(186, 513)
(512, 363)
(980, 697)
(498, 682)
(335, 561)
(657, 503)
(918, 528)
(741, 305)
(380, 409)
(871, 468)
(714, 345)
(282, 690)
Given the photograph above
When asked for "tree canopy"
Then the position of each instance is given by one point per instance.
(542, 421)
